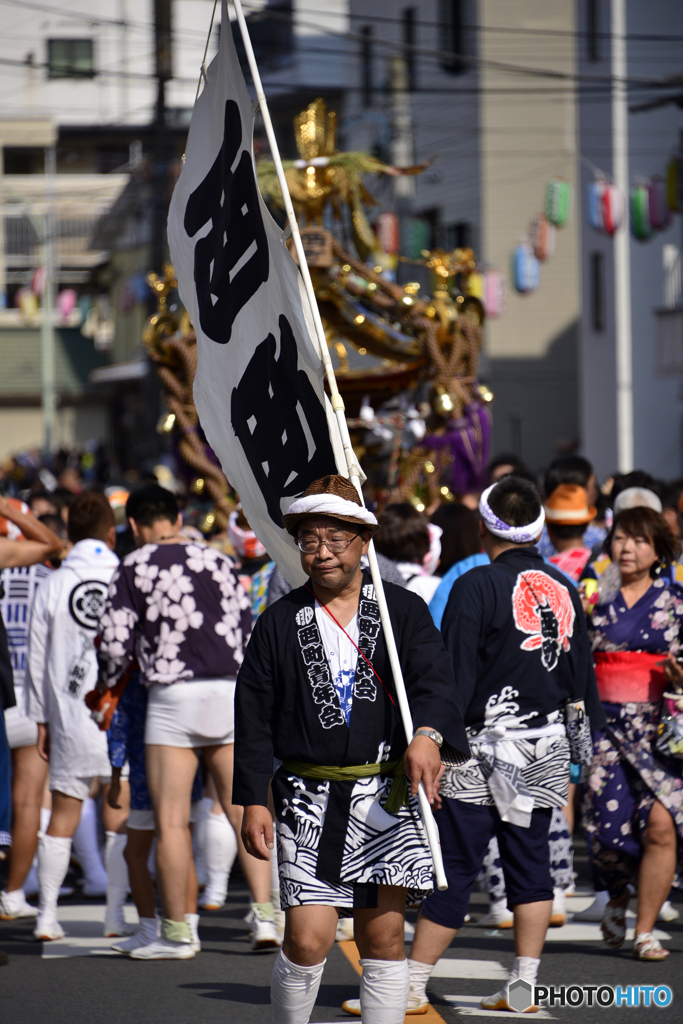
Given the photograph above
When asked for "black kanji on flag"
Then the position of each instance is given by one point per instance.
(231, 261)
(280, 422)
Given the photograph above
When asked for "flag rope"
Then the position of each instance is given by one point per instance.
(202, 70)
(353, 467)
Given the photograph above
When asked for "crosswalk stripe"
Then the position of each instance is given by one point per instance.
(469, 1006)
(84, 937)
(461, 968)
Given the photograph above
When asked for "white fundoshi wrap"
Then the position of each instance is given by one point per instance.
(331, 505)
(515, 534)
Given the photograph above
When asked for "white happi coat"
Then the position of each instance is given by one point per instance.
(62, 661)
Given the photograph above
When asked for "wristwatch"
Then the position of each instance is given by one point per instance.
(433, 735)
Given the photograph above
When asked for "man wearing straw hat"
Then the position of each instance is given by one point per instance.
(316, 692)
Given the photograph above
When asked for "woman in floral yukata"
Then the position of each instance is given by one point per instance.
(633, 805)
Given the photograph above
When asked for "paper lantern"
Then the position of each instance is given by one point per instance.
(476, 285)
(673, 174)
(542, 237)
(640, 212)
(527, 269)
(495, 293)
(595, 193)
(612, 203)
(558, 197)
(659, 210)
(27, 302)
(387, 231)
(66, 302)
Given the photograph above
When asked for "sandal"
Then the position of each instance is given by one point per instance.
(613, 925)
(647, 947)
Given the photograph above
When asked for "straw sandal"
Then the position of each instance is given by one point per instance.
(647, 947)
(613, 925)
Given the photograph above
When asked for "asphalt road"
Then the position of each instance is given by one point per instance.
(80, 983)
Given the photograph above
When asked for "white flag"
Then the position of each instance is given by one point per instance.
(258, 388)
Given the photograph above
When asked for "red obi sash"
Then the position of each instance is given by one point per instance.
(625, 676)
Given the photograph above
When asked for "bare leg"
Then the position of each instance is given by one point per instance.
(309, 934)
(657, 867)
(379, 932)
(531, 924)
(430, 941)
(29, 773)
(114, 819)
(141, 886)
(170, 774)
(219, 761)
(66, 812)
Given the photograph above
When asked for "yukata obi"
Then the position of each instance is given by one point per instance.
(345, 821)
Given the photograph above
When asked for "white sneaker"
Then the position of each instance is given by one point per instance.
(344, 930)
(13, 906)
(47, 930)
(498, 917)
(164, 949)
(264, 933)
(193, 921)
(596, 910)
(417, 1005)
(668, 912)
(146, 933)
(558, 913)
(115, 927)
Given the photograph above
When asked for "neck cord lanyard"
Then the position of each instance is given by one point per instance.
(335, 620)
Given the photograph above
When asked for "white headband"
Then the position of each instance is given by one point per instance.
(331, 505)
(515, 534)
(637, 497)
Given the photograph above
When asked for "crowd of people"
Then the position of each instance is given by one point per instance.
(176, 689)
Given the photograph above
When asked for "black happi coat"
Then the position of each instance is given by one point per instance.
(519, 623)
(287, 707)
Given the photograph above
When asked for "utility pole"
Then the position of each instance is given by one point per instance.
(622, 241)
(163, 71)
(402, 144)
(47, 333)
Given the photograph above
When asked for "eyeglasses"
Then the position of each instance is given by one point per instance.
(336, 545)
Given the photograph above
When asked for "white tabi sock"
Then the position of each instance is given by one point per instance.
(220, 851)
(526, 968)
(293, 990)
(384, 991)
(54, 853)
(117, 876)
(419, 976)
(87, 850)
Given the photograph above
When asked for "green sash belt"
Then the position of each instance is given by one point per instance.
(398, 794)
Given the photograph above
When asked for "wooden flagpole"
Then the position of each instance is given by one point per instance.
(351, 461)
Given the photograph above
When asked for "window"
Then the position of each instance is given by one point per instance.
(459, 235)
(452, 38)
(597, 291)
(593, 30)
(366, 64)
(409, 39)
(272, 38)
(70, 58)
(23, 160)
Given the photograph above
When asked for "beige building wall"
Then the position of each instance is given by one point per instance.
(528, 135)
(21, 427)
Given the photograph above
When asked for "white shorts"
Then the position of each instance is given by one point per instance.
(143, 821)
(79, 786)
(198, 713)
(21, 731)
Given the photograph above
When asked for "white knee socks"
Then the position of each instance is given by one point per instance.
(293, 990)
(220, 851)
(384, 990)
(419, 976)
(87, 850)
(54, 853)
(117, 882)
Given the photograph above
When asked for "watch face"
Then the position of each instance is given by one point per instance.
(438, 737)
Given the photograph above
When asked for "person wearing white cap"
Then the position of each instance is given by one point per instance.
(316, 692)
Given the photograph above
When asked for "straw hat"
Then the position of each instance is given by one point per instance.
(333, 496)
(568, 506)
